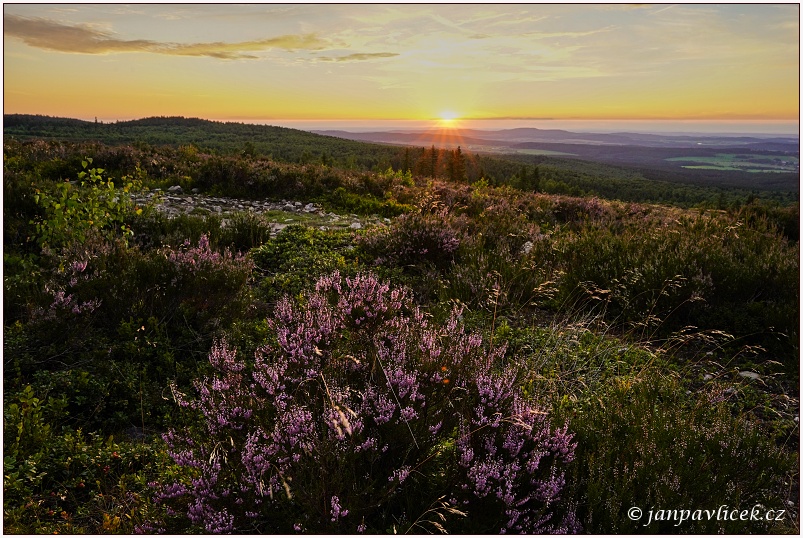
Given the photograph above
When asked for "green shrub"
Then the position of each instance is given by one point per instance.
(71, 212)
(706, 272)
(299, 255)
(643, 443)
(364, 204)
(58, 480)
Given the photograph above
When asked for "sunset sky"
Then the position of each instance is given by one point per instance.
(404, 62)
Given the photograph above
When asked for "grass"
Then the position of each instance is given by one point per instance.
(631, 324)
(742, 162)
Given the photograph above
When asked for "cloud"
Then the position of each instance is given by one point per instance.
(359, 56)
(84, 39)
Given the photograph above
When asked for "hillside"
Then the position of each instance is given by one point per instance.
(599, 174)
(401, 346)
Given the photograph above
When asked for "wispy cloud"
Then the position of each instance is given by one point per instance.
(359, 56)
(51, 35)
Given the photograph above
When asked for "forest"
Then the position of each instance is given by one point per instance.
(443, 342)
(628, 174)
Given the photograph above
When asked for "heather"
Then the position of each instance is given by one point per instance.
(485, 359)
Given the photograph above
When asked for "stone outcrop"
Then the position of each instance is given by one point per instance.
(281, 214)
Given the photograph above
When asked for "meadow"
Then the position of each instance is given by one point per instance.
(748, 162)
(477, 356)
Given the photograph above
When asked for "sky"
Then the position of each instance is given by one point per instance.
(695, 66)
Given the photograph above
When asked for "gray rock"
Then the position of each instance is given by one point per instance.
(527, 247)
(355, 226)
(196, 191)
(175, 188)
(708, 377)
(750, 375)
(218, 209)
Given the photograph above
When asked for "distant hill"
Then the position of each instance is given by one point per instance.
(510, 138)
(280, 143)
(569, 163)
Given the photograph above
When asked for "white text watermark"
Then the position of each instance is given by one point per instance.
(722, 513)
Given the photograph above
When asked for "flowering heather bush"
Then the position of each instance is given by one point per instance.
(361, 416)
(415, 238)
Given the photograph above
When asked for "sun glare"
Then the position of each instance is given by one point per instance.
(448, 119)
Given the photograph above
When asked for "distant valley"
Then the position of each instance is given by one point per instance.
(775, 154)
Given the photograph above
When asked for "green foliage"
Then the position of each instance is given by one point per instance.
(706, 272)
(361, 204)
(72, 211)
(644, 443)
(119, 310)
(58, 480)
(297, 256)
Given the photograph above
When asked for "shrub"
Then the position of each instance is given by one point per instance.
(72, 212)
(297, 256)
(644, 443)
(361, 416)
(58, 480)
(706, 272)
(413, 239)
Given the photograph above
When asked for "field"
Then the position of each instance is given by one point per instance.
(206, 336)
(745, 162)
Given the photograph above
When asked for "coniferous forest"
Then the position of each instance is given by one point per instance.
(332, 336)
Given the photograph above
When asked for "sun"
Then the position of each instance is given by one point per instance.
(447, 118)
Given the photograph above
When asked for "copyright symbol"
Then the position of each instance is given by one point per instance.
(634, 513)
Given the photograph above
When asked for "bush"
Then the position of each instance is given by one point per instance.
(706, 272)
(72, 212)
(58, 480)
(644, 443)
(362, 417)
(297, 256)
(414, 239)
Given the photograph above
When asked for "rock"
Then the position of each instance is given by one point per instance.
(355, 226)
(196, 191)
(218, 209)
(297, 204)
(175, 188)
(708, 377)
(188, 200)
(309, 208)
(749, 375)
(527, 247)
(288, 207)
